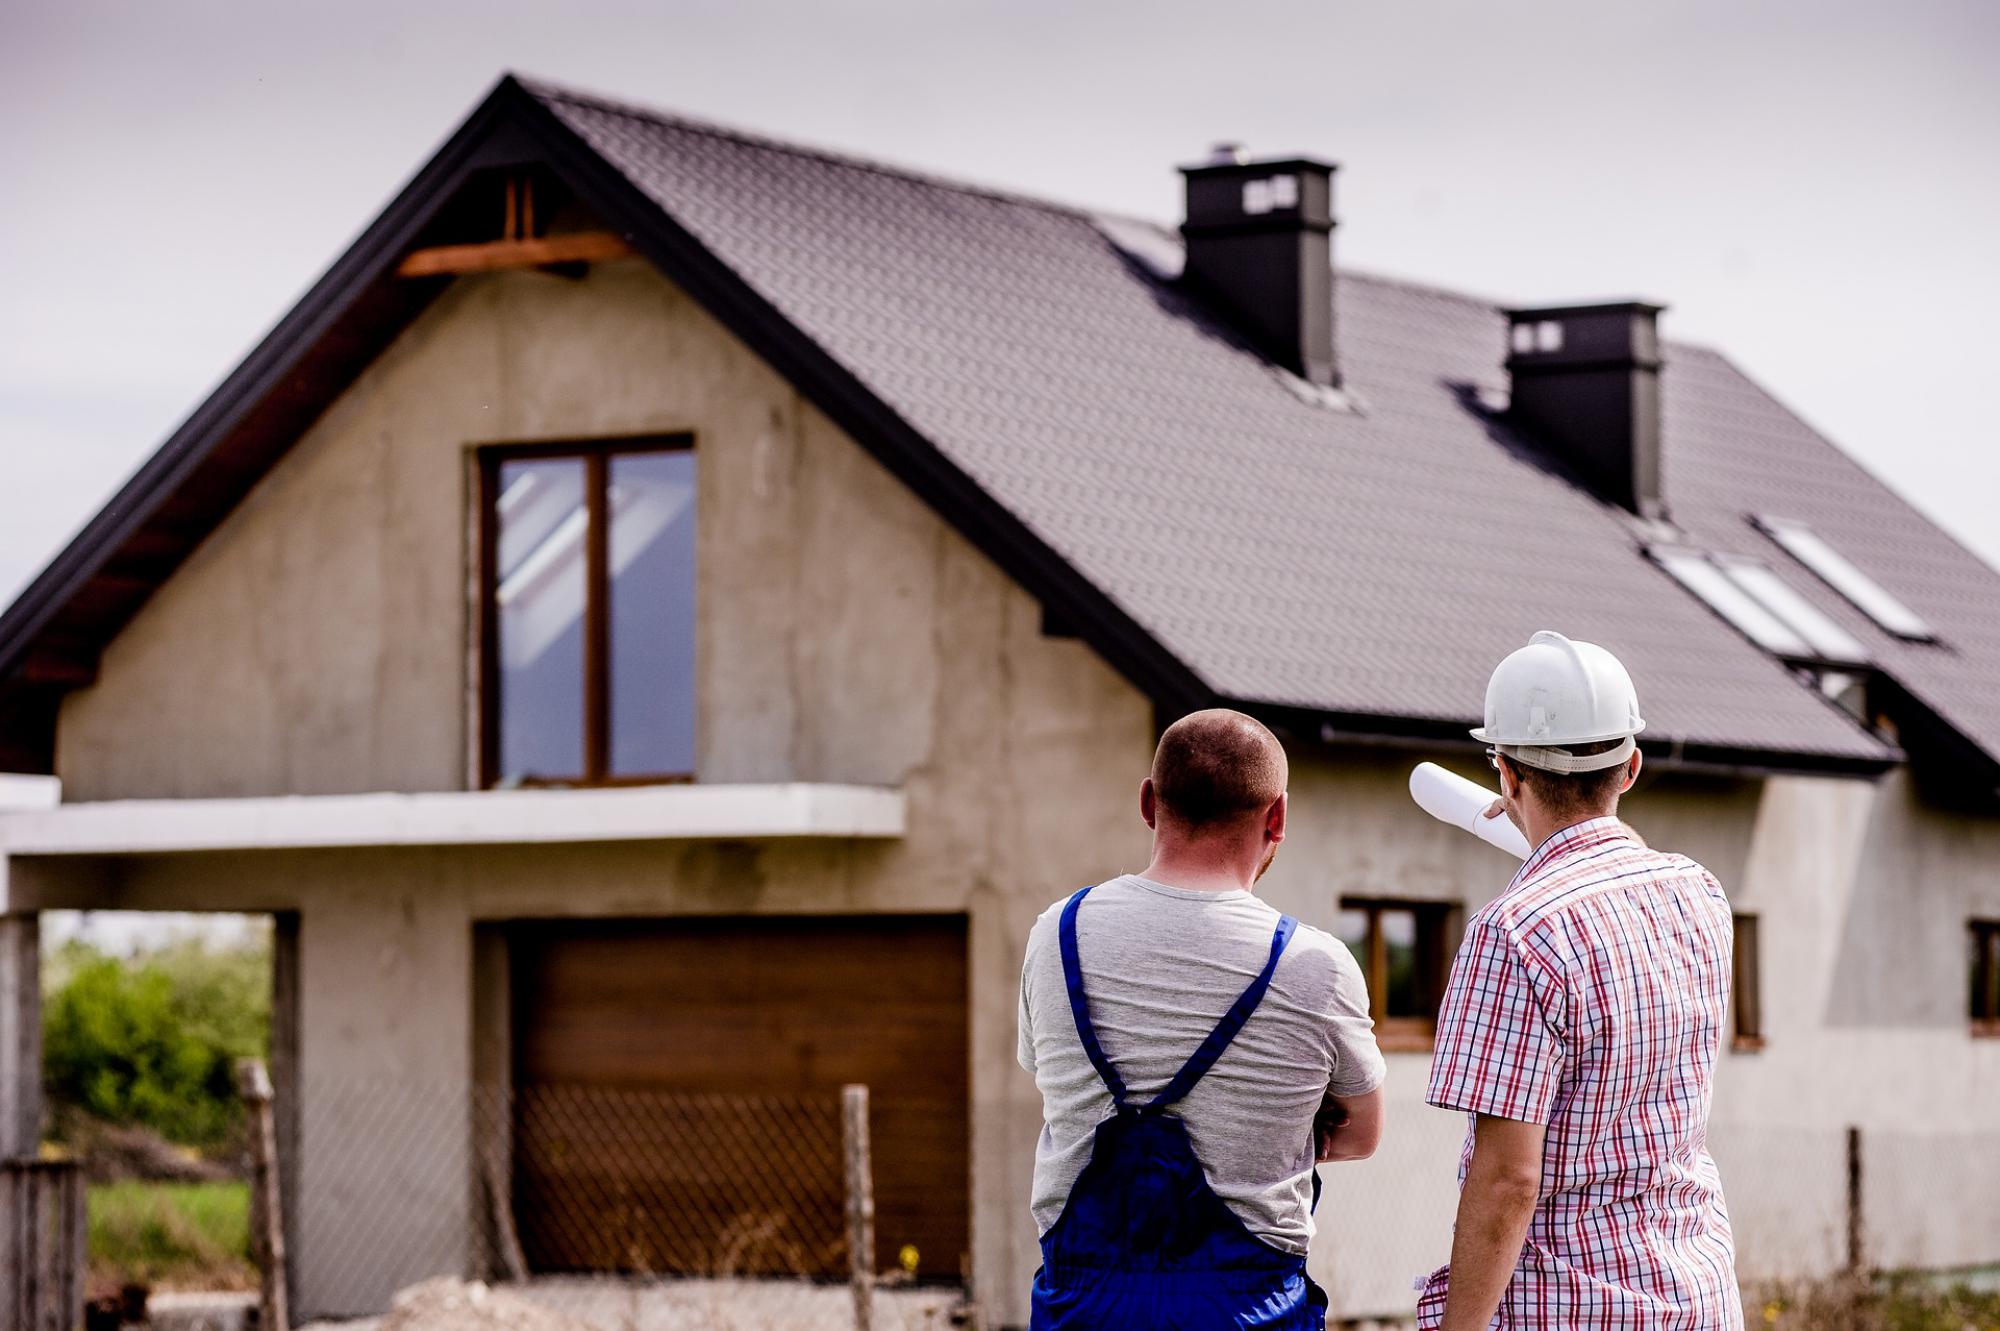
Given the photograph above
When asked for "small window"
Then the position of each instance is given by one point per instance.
(589, 594)
(1868, 596)
(1548, 336)
(1746, 997)
(1400, 946)
(1985, 977)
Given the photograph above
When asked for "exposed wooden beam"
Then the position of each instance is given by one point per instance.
(494, 255)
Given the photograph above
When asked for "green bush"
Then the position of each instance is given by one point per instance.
(152, 1041)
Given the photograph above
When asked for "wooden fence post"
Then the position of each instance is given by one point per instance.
(1857, 1239)
(267, 1213)
(860, 1203)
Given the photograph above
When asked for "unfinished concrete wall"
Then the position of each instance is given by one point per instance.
(318, 643)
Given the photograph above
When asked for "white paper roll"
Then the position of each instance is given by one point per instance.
(1450, 798)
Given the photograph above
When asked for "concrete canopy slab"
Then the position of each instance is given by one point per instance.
(455, 818)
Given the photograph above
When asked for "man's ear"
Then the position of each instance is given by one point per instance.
(1274, 818)
(1148, 803)
(1632, 766)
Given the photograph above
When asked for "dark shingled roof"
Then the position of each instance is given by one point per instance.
(1037, 371)
(1375, 562)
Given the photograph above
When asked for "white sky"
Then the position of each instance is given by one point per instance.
(1812, 185)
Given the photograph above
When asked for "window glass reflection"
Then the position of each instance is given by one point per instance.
(541, 523)
(651, 558)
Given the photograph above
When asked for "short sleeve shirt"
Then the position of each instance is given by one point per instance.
(1589, 997)
(1161, 964)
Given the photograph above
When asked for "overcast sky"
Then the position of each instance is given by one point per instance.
(1813, 186)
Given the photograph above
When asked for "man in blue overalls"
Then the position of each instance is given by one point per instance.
(1197, 1053)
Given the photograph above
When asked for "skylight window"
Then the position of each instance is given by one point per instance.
(1829, 640)
(1760, 606)
(1699, 574)
(1869, 596)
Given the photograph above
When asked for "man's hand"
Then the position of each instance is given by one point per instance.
(1503, 1184)
(1347, 1127)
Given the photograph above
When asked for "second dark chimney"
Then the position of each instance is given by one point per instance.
(1587, 384)
(1259, 244)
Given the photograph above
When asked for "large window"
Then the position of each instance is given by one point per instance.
(1985, 977)
(1401, 948)
(589, 585)
(1746, 996)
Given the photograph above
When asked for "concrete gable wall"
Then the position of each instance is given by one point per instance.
(318, 642)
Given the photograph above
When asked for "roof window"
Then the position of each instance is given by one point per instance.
(1760, 606)
(1870, 597)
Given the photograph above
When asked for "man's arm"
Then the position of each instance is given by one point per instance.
(1348, 1127)
(1503, 1182)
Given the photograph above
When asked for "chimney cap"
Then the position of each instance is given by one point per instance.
(1244, 165)
(1629, 306)
(1226, 153)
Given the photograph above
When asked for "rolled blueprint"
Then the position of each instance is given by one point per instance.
(1450, 798)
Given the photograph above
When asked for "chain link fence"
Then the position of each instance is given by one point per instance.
(591, 1208)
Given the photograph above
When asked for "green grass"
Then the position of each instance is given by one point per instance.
(171, 1235)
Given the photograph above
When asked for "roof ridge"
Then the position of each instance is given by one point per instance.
(549, 90)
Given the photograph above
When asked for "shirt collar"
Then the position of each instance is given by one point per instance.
(1572, 840)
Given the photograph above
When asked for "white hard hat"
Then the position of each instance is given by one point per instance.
(1554, 693)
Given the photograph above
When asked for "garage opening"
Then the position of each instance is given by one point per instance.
(676, 1084)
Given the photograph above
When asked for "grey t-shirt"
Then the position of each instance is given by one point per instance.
(1160, 966)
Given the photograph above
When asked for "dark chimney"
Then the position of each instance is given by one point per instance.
(1587, 384)
(1259, 245)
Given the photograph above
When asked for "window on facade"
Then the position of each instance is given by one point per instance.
(1746, 994)
(1985, 977)
(589, 613)
(1401, 948)
(1870, 597)
(1761, 606)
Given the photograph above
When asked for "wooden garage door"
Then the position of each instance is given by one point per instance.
(677, 1089)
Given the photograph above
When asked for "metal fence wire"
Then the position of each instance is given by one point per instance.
(415, 1207)
(590, 1208)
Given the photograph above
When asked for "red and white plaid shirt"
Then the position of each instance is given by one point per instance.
(1589, 996)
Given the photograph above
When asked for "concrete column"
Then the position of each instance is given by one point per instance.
(20, 1035)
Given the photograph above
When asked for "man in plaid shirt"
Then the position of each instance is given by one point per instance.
(1579, 1033)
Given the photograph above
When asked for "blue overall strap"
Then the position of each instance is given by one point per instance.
(1232, 1022)
(1079, 1007)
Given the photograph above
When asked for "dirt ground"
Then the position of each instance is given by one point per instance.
(586, 1304)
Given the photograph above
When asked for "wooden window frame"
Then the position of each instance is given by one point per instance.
(596, 455)
(1404, 1034)
(1986, 961)
(1746, 992)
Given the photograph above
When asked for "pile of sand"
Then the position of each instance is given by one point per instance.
(456, 1305)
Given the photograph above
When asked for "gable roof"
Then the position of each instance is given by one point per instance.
(1035, 373)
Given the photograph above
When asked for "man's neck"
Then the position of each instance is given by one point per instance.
(1540, 829)
(1196, 873)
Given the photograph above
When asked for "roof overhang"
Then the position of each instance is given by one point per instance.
(126, 828)
(1663, 752)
